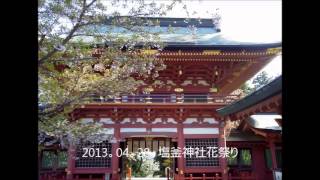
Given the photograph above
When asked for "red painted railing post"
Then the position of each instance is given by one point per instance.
(203, 176)
(191, 178)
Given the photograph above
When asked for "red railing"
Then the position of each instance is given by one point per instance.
(165, 98)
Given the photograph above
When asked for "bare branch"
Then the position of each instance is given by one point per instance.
(73, 30)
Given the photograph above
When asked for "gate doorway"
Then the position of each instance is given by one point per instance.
(149, 164)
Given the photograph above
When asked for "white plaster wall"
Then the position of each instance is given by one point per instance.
(201, 130)
(164, 130)
(133, 130)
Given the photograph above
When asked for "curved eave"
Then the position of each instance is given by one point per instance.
(268, 130)
(193, 46)
(265, 92)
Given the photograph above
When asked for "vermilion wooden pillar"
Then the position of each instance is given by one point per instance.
(71, 161)
(115, 158)
(181, 146)
(273, 154)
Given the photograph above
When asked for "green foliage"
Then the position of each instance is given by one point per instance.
(261, 80)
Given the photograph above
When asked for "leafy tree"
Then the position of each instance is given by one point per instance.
(68, 30)
(261, 80)
(67, 71)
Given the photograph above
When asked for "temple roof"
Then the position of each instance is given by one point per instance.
(265, 121)
(188, 32)
(271, 89)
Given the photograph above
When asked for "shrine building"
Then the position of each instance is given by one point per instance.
(199, 100)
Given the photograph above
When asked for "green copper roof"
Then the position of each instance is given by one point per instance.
(271, 89)
(192, 32)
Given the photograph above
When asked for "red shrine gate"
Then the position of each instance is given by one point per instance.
(185, 124)
(183, 111)
(197, 81)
